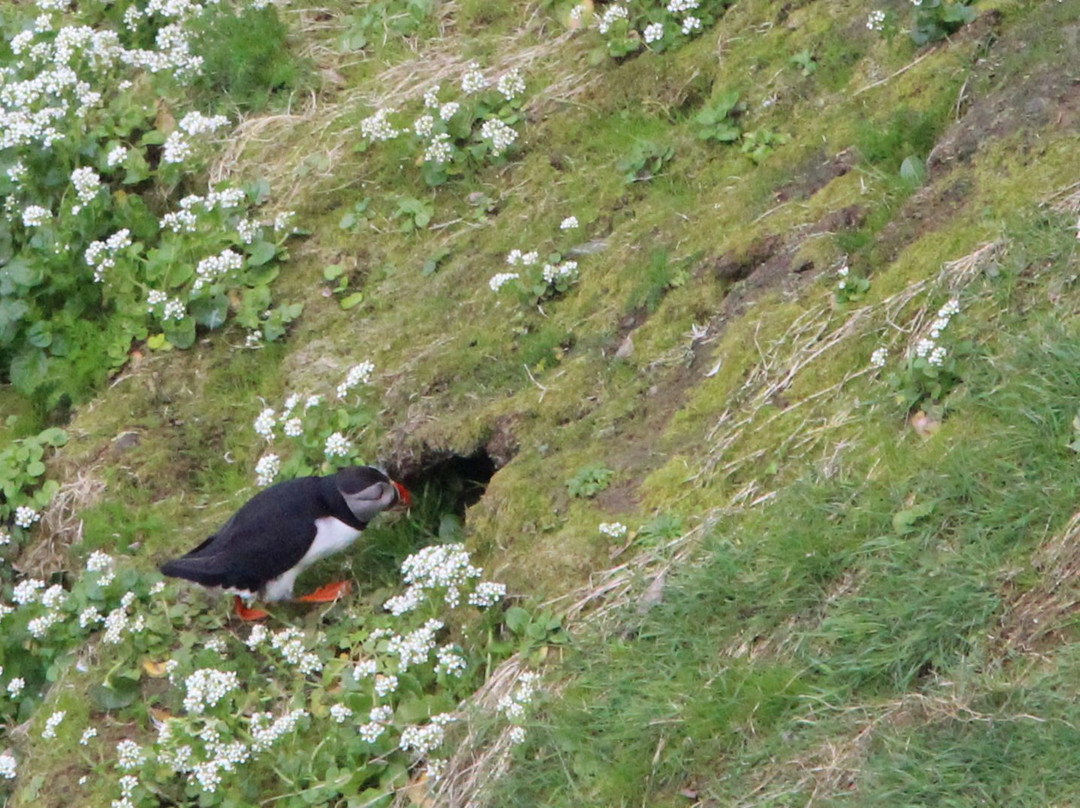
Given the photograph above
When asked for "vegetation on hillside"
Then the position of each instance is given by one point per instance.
(737, 339)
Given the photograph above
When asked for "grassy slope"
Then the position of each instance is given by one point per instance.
(806, 649)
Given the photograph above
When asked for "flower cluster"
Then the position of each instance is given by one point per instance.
(927, 370)
(442, 567)
(513, 705)
(451, 135)
(660, 25)
(206, 687)
(615, 530)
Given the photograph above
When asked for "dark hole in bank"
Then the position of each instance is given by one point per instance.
(456, 481)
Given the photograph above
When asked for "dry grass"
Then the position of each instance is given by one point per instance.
(1032, 618)
(61, 526)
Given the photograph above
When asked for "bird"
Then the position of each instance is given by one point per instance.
(283, 530)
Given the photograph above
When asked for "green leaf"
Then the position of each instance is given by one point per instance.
(210, 312)
(158, 342)
(182, 333)
(904, 521)
(913, 170)
(29, 370)
(333, 272)
(261, 252)
(122, 693)
(352, 301)
(517, 619)
(53, 436)
(35, 468)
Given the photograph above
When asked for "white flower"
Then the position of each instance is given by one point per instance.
(52, 723)
(27, 591)
(129, 755)
(195, 123)
(377, 127)
(337, 445)
(116, 156)
(677, 6)
(473, 81)
(501, 279)
(876, 20)
(690, 24)
(8, 766)
(313, 401)
(206, 687)
(569, 223)
(511, 84)
(498, 134)
(516, 735)
(267, 469)
(265, 422)
(87, 184)
(449, 110)
(174, 310)
(949, 309)
(487, 593)
(25, 516)
(431, 97)
(88, 734)
(424, 126)
(363, 669)
(879, 356)
(257, 636)
(937, 356)
(615, 530)
(35, 215)
(653, 32)
(371, 732)
(15, 687)
(358, 374)
(439, 150)
(294, 428)
(611, 14)
(924, 346)
(339, 712)
(451, 663)
(385, 685)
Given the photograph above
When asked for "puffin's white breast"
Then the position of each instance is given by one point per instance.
(331, 536)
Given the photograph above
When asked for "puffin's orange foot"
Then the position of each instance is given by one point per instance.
(244, 613)
(328, 593)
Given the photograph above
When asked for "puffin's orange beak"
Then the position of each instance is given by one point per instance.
(403, 494)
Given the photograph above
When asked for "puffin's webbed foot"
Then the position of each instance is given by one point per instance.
(244, 613)
(328, 593)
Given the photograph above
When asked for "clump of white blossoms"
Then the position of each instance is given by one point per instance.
(337, 445)
(358, 374)
(265, 733)
(52, 723)
(569, 223)
(498, 134)
(876, 20)
(511, 85)
(265, 423)
(612, 14)
(473, 80)
(206, 687)
(267, 469)
(377, 127)
(565, 271)
(339, 713)
(441, 568)
(616, 530)
(653, 32)
(129, 755)
(9, 767)
(424, 739)
(499, 280)
(87, 184)
(25, 516)
(879, 357)
(215, 267)
(35, 215)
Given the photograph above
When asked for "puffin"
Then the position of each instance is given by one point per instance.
(283, 530)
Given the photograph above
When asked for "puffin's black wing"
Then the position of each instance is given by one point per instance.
(265, 538)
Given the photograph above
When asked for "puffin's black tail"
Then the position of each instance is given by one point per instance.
(197, 566)
(206, 570)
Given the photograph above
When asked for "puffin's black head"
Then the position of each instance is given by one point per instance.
(368, 491)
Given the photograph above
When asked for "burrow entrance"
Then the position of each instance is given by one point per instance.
(451, 482)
